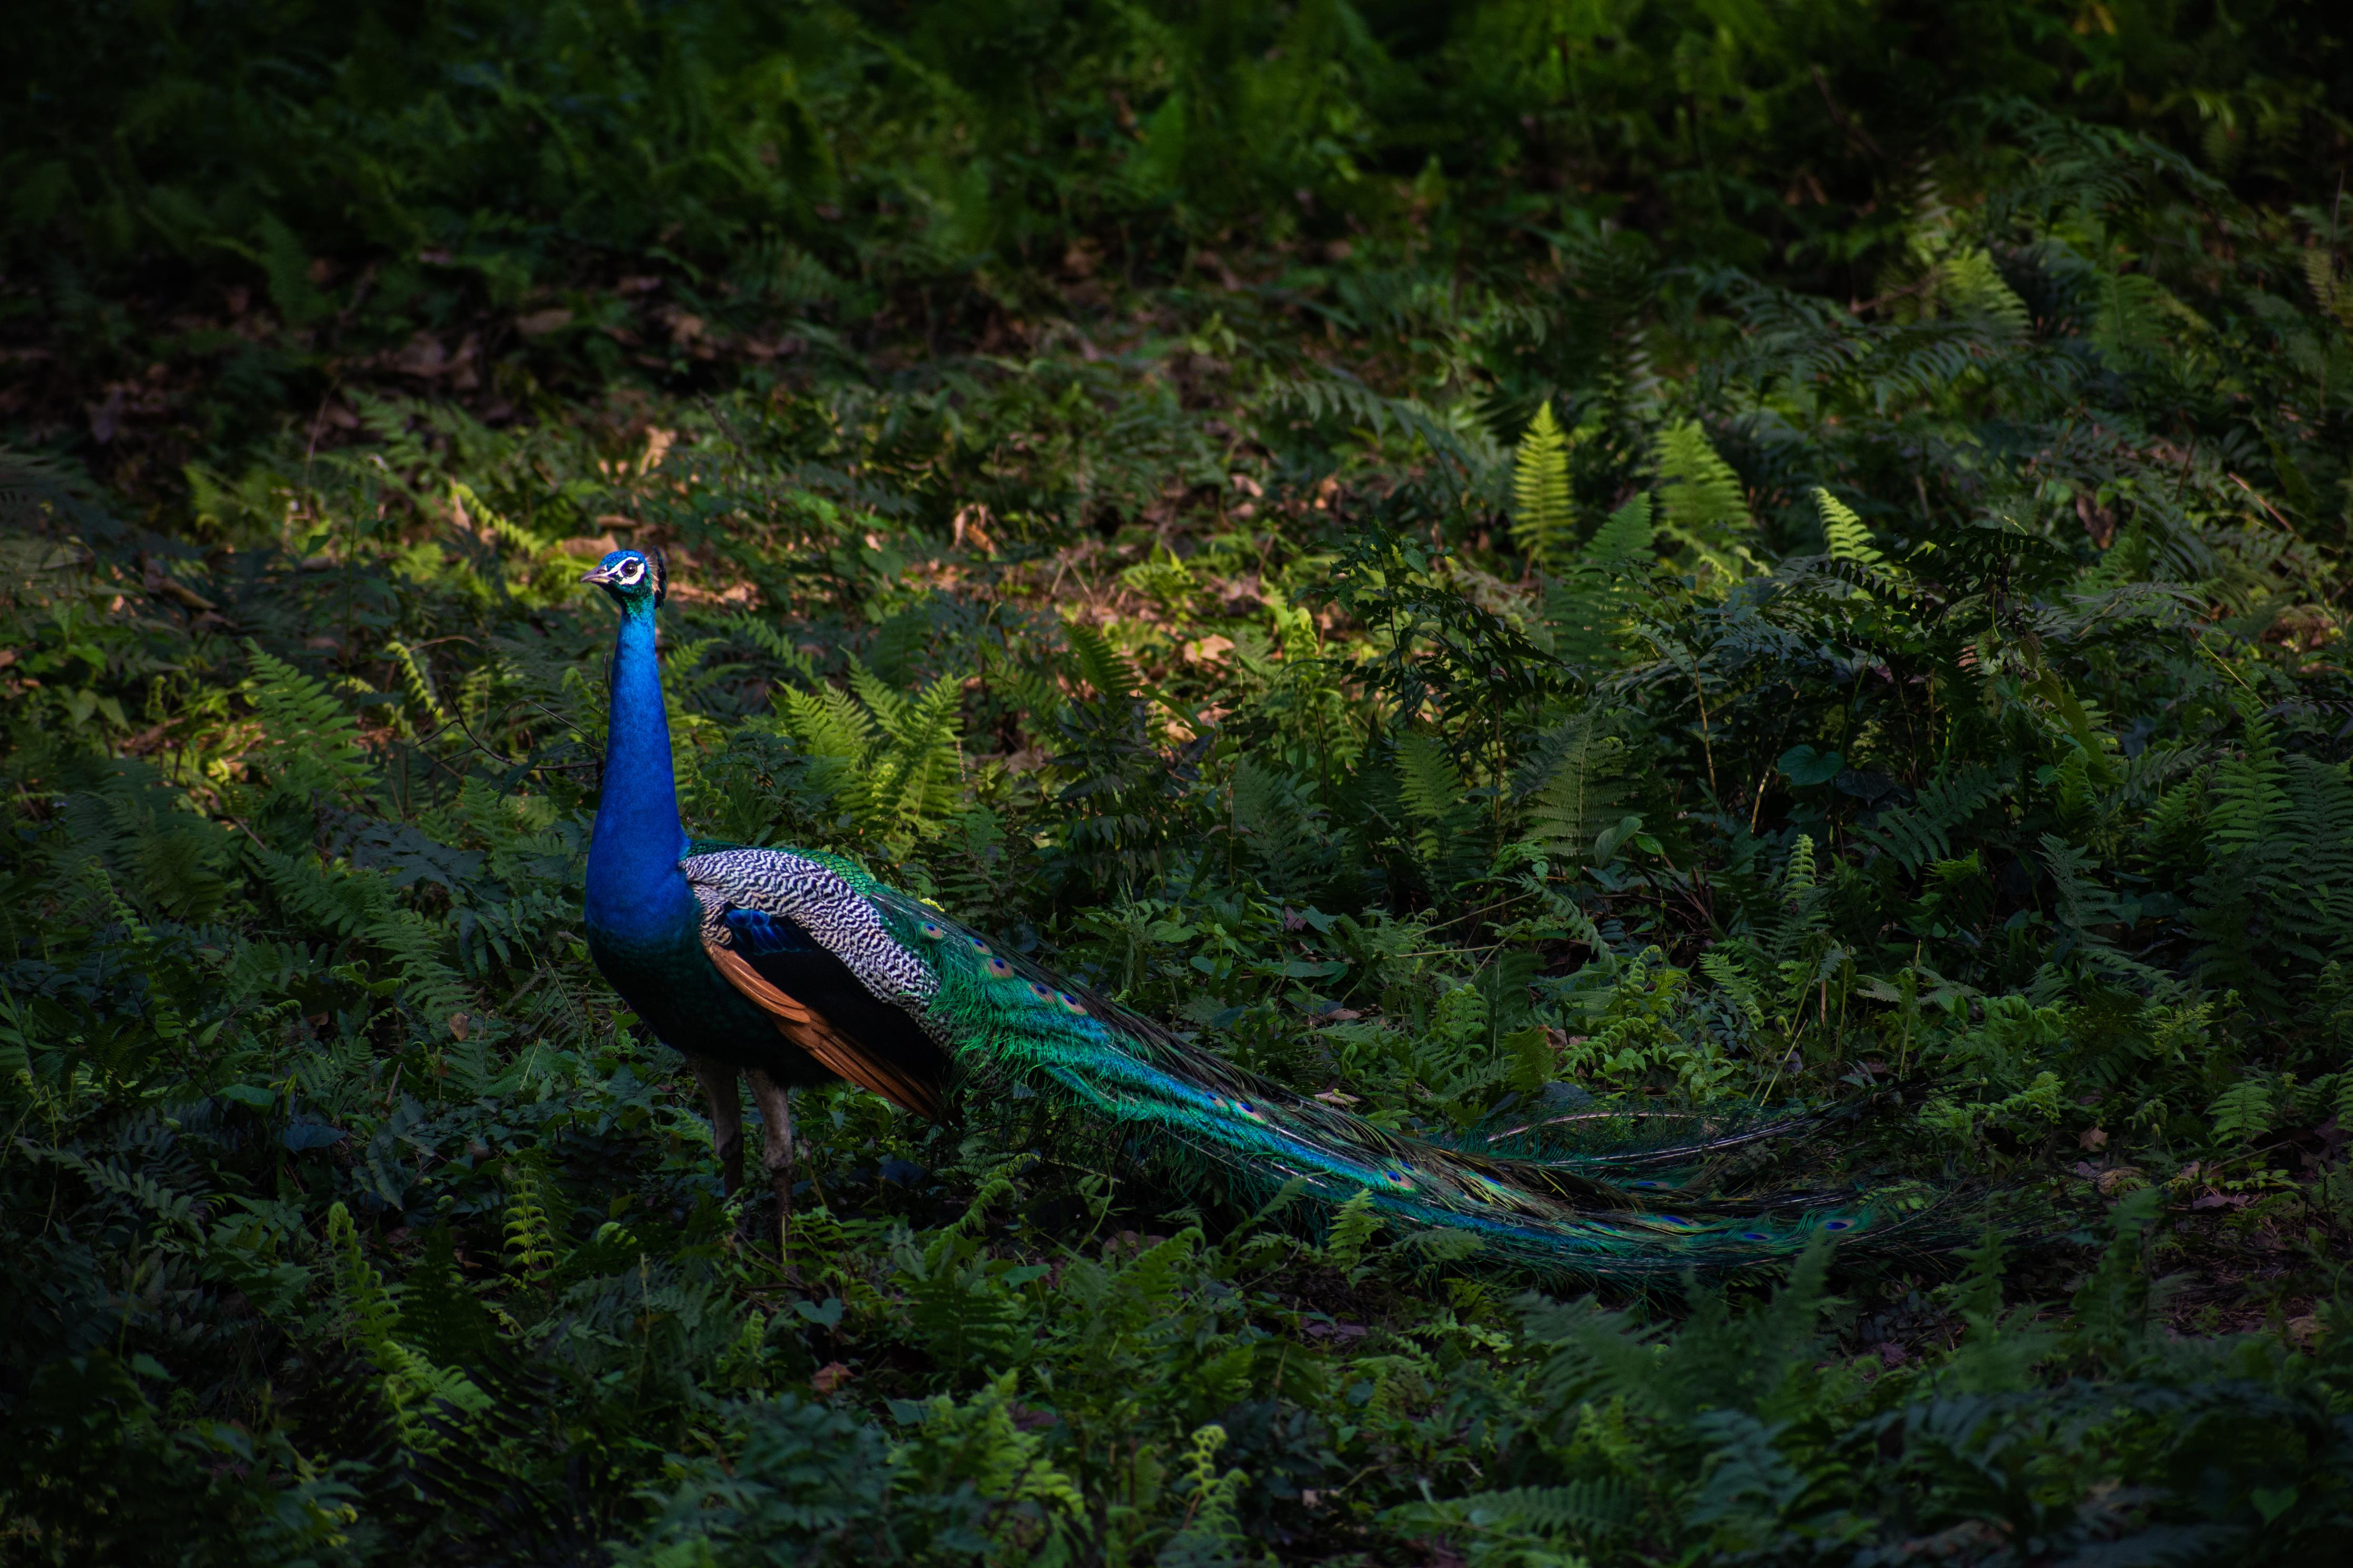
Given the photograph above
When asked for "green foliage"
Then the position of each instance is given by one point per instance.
(1541, 518)
(530, 1243)
(1591, 607)
(1499, 566)
(890, 763)
(1701, 507)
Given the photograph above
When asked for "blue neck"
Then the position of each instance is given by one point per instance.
(635, 887)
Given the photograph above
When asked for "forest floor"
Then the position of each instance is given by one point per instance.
(1626, 571)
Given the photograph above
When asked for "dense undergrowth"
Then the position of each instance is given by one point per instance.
(1726, 554)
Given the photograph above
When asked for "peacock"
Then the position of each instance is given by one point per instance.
(797, 968)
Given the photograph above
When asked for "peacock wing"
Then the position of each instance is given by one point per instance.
(794, 934)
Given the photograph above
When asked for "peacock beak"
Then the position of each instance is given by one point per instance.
(598, 575)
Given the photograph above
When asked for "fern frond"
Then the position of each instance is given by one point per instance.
(2243, 1112)
(1920, 833)
(530, 1235)
(361, 904)
(411, 1385)
(889, 708)
(1843, 533)
(1970, 282)
(2250, 796)
(1592, 607)
(490, 523)
(1437, 803)
(1572, 816)
(1579, 1505)
(1700, 503)
(773, 643)
(1353, 1224)
(1111, 672)
(416, 680)
(367, 1302)
(308, 741)
(1431, 783)
(1542, 519)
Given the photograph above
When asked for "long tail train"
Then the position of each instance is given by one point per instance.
(1592, 1195)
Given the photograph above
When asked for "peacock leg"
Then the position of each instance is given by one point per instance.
(719, 1093)
(776, 1148)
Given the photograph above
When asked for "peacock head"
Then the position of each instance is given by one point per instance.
(634, 578)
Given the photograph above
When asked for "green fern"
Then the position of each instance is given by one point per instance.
(893, 764)
(1444, 822)
(2243, 1112)
(416, 680)
(2251, 799)
(530, 1236)
(307, 743)
(363, 904)
(1970, 282)
(1920, 833)
(1723, 965)
(1451, 433)
(366, 1301)
(1589, 1505)
(1210, 1531)
(1353, 1225)
(412, 1386)
(1591, 608)
(2137, 316)
(1542, 519)
(773, 642)
(415, 1388)
(489, 522)
(1843, 532)
(1701, 505)
(1113, 674)
(1572, 812)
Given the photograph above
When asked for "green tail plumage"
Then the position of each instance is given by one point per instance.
(1585, 1193)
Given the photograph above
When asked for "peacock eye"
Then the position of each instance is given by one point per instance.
(1043, 992)
(933, 930)
(1071, 1003)
(1000, 968)
(977, 945)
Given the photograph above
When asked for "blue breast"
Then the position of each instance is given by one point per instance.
(646, 937)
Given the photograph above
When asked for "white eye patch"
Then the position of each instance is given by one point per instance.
(630, 571)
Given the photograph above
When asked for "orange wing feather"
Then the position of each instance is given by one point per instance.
(806, 1027)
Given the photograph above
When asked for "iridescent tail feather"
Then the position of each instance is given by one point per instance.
(929, 1012)
(1590, 1193)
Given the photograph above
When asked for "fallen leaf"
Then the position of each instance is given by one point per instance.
(1210, 649)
